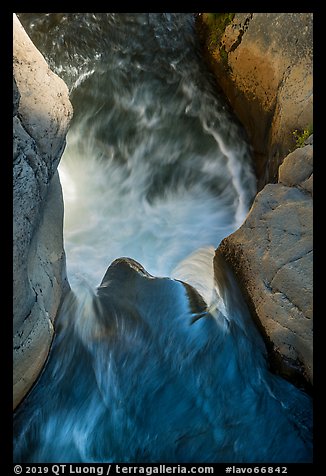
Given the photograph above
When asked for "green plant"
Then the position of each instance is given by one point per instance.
(216, 23)
(224, 56)
(220, 20)
(302, 135)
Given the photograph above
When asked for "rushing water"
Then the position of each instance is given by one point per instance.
(145, 369)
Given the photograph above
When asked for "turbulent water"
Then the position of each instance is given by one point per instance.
(156, 169)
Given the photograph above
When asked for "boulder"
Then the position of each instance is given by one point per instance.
(41, 116)
(264, 64)
(272, 257)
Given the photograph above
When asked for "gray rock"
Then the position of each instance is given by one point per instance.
(272, 256)
(42, 112)
(16, 97)
(310, 140)
(297, 168)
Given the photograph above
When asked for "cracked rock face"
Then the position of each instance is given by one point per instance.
(41, 115)
(264, 64)
(272, 256)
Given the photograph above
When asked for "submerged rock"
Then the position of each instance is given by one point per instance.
(143, 370)
(272, 256)
(41, 115)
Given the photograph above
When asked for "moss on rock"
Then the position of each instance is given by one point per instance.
(213, 28)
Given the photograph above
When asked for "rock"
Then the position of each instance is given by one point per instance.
(297, 168)
(42, 112)
(141, 341)
(272, 256)
(16, 98)
(263, 63)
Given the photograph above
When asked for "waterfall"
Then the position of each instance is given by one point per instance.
(154, 359)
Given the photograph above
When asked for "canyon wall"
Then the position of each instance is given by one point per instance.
(41, 116)
(263, 64)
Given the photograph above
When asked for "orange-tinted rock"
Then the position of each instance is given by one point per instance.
(263, 63)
